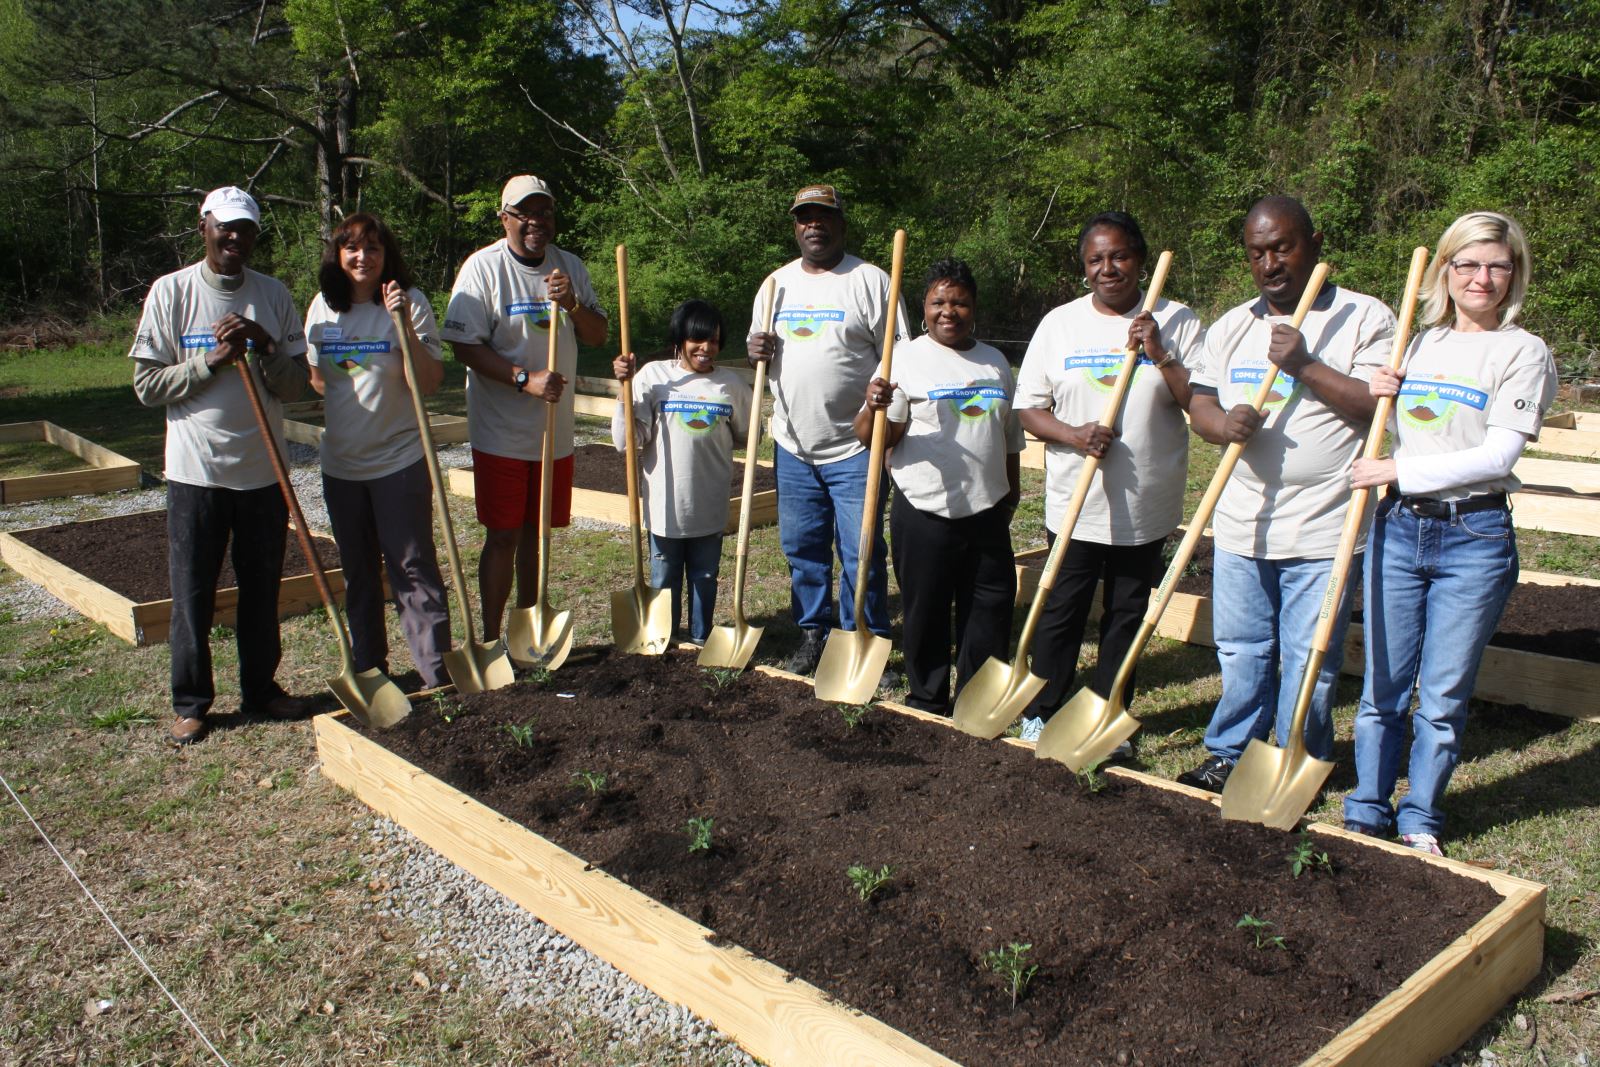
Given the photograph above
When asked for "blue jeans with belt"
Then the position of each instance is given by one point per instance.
(1435, 588)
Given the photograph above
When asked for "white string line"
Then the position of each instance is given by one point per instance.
(201, 1034)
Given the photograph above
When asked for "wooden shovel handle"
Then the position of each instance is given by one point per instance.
(752, 442)
(880, 435)
(547, 460)
(630, 446)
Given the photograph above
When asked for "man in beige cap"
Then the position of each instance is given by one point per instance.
(832, 310)
(197, 326)
(498, 323)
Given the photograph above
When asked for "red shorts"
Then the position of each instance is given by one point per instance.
(507, 491)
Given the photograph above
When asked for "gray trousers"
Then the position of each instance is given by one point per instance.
(392, 518)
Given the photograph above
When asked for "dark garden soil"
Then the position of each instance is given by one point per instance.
(128, 554)
(1557, 620)
(604, 470)
(1130, 896)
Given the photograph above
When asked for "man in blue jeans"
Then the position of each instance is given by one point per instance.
(1280, 516)
(828, 332)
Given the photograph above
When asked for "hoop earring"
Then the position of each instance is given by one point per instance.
(1084, 281)
(1143, 275)
(924, 324)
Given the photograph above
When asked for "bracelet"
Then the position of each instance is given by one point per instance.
(1164, 364)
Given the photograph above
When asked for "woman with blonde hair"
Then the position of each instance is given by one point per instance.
(1442, 558)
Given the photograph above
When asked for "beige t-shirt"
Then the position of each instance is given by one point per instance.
(212, 437)
(502, 303)
(1069, 369)
(831, 330)
(1287, 497)
(686, 426)
(370, 426)
(1457, 385)
(952, 459)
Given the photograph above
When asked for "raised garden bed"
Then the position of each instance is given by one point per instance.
(1571, 433)
(600, 480)
(305, 424)
(1545, 656)
(1129, 894)
(114, 571)
(96, 470)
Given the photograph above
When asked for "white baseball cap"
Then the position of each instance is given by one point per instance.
(231, 204)
(521, 187)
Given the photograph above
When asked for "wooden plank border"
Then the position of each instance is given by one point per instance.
(1571, 433)
(106, 472)
(447, 429)
(149, 623)
(786, 1021)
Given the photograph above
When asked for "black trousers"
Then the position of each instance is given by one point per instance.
(200, 523)
(1129, 573)
(940, 562)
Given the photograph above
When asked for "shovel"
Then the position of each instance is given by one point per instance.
(370, 695)
(853, 660)
(473, 667)
(641, 617)
(1089, 727)
(732, 646)
(999, 692)
(539, 636)
(1274, 786)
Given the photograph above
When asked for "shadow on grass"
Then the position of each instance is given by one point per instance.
(1536, 791)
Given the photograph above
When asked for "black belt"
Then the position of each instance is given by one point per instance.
(1428, 508)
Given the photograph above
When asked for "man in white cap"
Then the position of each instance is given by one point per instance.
(197, 327)
(827, 340)
(498, 323)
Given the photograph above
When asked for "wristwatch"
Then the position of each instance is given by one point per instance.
(520, 379)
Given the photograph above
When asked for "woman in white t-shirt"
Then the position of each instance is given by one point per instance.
(374, 476)
(688, 415)
(1442, 558)
(1137, 498)
(954, 443)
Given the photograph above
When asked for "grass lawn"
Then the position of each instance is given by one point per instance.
(240, 873)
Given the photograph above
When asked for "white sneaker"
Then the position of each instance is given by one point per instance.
(1031, 729)
(1422, 843)
(1122, 752)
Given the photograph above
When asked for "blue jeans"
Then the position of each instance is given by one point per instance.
(1435, 591)
(1263, 615)
(818, 506)
(701, 557)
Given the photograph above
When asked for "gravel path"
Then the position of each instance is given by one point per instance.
(466, 926)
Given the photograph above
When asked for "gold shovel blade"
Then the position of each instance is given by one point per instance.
(479, 667)
(993, 699)
(1085, 731)
(730, 646)
(851, 666)
(641, 620)
(1273, 786)
(539, 637)
(371, 697)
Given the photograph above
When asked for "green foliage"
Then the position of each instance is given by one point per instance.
(1091, 778)
(719, 678)
(1011, 964)
(854, 714)
(521, 734)
(593, 781)
(1305, 856)
(867, 881)
(1258, 930)
(120, 717)
(699, 827)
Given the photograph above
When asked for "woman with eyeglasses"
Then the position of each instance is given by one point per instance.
(1442, 558)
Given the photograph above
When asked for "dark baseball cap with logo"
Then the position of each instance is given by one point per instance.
(818, 196)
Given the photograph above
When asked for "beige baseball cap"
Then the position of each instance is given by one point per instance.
(521, 187)
(231, 204)
(820, 196)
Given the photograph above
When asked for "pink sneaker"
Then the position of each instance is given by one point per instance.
(1422, 843)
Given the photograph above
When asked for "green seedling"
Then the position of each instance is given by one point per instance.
(446, 708)
(700, 833)
(720, 678)
(1258, 929)
(593, 781)
(1091, 777)
(854, 714)
(540, 676)
(1305, 856)
(868, 881)
(1011, 964)
(521, 734)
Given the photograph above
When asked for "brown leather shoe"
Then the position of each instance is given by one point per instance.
(186, 730)
(282, 706)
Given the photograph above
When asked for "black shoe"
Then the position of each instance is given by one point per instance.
(1211, 775)
(804, 660)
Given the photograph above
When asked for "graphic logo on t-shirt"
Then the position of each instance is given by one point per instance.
(198, 342)
(806, 323)
(1283, 390)
(970, 400)
(698, 415)
(536, 311)
(1430, 403)
(352, 354)
(1100, 369)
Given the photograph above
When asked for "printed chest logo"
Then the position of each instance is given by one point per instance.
(1283, 390)
(806, 323)
(198, 342)
(697, 415)
(1430, 403)
(972, 401)
(537, 312)
(1100, 369)
(353, 355)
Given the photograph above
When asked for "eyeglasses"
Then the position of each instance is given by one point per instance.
(1469, 268)
(539, 216)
